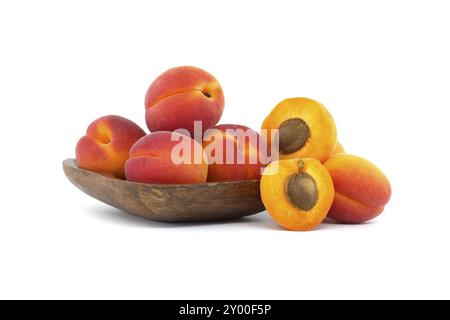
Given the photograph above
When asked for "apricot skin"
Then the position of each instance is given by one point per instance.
(236, 171)
(104, 148)
(151, 161)
(182, 95)
(362, 189)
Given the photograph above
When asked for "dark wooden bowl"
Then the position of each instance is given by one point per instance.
(170, 203)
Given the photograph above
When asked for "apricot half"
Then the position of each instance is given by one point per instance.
(362, 189)
(297, 193)
(305, 129)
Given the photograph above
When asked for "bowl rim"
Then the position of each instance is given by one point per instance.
(72, 163)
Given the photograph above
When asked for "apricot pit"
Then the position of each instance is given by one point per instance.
(302, 191)
(293, 135)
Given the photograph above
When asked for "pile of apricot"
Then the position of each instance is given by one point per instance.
(307, 177)
(314, 178)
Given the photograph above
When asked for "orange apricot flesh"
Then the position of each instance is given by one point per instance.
(305, 129)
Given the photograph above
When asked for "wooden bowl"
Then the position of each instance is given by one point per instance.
(170, 203)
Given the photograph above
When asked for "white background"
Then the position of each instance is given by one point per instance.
(381, 67)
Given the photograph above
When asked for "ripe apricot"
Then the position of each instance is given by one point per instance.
(153, 159)
(182, 95)
(297, 193)
(362, 189)
(106, 145)
(237, 142)
(339, 149)
(306, 129)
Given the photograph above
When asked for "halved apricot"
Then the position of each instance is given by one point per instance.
(297, 193)
(306, 129)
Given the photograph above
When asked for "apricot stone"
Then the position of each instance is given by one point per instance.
(302, 191)
(293, 135)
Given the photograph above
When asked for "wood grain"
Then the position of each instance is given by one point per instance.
(170, 203)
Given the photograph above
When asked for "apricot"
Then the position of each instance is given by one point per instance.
(339, 149)
(305, 129)
(166, 158)
(182, 95)
(297, 193)
(362, 189)
(104, 148)
(233, 153)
